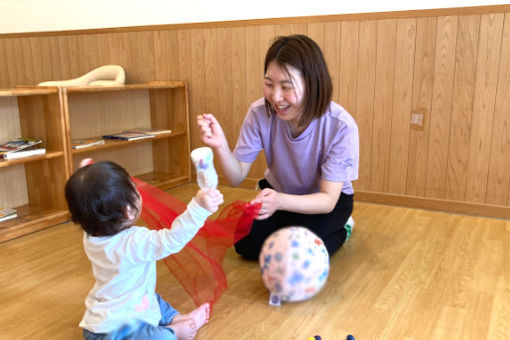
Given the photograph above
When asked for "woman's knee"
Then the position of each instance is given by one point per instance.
(248, 250)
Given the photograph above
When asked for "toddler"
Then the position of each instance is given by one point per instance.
(123, 303)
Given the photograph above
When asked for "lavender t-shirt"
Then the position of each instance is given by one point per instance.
(327, 150)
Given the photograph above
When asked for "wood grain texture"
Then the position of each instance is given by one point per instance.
(402, 100)
(34, 186)
(383, 104)
(440, 115)
(487, 68)
(347, 83)
(404, 274)
(462, 107)
(498, 186)
(448, 65)
(421, 104)
(365, 93)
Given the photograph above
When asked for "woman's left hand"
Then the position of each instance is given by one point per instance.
(268, 198)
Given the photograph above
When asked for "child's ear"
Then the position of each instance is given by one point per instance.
(130, 212)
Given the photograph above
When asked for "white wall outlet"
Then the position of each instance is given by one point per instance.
(416, 118)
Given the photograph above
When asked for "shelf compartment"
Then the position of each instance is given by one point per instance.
(110, 143)
(34, 185)
(28, 159)
(97, 111)
(31, 218)
(162, 180)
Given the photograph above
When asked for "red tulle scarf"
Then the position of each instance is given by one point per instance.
(198, 266)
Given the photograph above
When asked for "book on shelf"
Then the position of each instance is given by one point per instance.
(7, 214)
(31, 151)
(17, 145)
(86, 142)
(128, 136)
(150, 131)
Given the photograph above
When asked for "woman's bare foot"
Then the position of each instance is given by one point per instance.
(184, 328)
(199, 315)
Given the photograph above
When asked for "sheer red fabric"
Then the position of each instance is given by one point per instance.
(199, 265)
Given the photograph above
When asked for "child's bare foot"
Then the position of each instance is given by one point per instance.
(184, 328)
(200, 315)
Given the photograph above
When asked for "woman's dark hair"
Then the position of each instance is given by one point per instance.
(302, 53)
(97, 196)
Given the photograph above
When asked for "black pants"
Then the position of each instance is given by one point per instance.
(329, 227)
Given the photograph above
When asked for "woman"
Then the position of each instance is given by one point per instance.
(311, 145)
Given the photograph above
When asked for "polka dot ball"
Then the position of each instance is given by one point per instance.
(294, 263)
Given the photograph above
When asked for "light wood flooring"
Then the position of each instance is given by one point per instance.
(404, 274)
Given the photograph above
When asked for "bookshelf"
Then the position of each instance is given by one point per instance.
(34, 186)
(162, 161)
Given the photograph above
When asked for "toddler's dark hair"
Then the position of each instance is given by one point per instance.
(97, 196)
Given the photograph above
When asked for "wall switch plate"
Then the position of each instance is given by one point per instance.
(416, 118)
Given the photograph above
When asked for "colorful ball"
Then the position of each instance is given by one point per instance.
(294, 263)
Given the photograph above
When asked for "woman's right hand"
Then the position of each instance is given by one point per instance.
(211, 132)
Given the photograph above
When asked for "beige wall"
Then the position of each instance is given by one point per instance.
(59, 15)
(452, 66)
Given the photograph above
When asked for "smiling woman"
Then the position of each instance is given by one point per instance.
(284, 92)
(310, 144)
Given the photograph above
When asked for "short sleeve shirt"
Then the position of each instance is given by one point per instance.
(328, 149)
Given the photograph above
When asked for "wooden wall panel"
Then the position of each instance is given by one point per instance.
(267, 36)
(450, 65)
(462, 107)
(238, 83)
(383, 104)
(211, 66)
(166, 55)
(347, 82)
(12, 62)
(367, 55)
(332, 47)
(498, 184)
(4, 64)
(421, 104)
(487, 69)
(440, 117)
(254, 69)
(402, 96)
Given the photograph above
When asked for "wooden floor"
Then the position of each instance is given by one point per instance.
(404, 274)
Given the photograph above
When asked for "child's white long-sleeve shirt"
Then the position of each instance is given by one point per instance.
(124, 266)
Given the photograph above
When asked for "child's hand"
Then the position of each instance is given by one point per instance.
(209, 199)
(86, 161)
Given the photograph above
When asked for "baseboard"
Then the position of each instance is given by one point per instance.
(468, 208)
(458, 207)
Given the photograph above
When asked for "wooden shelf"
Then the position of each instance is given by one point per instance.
(118, 143)
(30, 219)
(162, 180)
(33, 185)
(96, 111)
(28, 159)
(147, 86)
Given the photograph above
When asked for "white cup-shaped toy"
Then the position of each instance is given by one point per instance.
(202, 158)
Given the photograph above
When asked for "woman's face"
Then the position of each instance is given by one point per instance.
(284, 91)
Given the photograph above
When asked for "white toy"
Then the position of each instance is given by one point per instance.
(106, 75)
(294, 263)
(206, 174)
